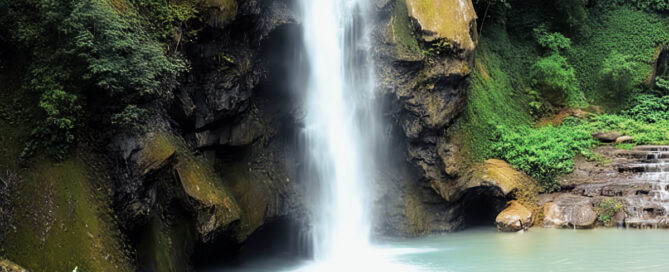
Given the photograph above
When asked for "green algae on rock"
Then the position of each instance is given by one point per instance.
(66, 224)
(445, 19)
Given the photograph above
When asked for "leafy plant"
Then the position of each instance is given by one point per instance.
(544, 153)
(85, 49)
(554, 41)
(130, 118)
(649, 108)
(554, 77)
(617, 74)
(608, 208)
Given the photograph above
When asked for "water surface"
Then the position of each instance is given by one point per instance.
(487, 250)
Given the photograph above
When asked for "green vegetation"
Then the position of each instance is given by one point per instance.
(66, 225)
(543, 152)
(80, 52)
(555, 79)
(601, 54)
(608, 208)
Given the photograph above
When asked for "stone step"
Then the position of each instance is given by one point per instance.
(644, 167)
(662, 160)
(651, 148)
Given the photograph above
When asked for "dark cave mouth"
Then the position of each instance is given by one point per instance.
(481, 205)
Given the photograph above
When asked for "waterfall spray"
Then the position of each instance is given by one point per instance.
(340, 126)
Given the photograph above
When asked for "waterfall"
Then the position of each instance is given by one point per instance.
(340, 129)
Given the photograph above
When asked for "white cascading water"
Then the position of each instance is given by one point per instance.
(340, 127)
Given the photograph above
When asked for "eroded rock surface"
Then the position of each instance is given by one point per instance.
(515, 217)
(570, 211)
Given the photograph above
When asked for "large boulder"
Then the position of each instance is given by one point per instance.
(451, 20)
(606, 137)
(514, 218)
(570, 211)
(205, 194)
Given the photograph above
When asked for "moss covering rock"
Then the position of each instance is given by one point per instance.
(451, 20)
(67, 224)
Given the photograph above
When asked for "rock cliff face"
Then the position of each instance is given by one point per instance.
(222, 155)
(424, 55)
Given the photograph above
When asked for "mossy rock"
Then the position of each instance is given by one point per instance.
(156, 153)
(8, 266)
(167, 243)
(206, 193)
(449, 20)
(62, 219)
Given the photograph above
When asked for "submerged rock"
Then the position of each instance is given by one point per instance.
(514, 218)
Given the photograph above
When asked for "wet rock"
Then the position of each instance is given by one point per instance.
(606, 137)
(8, 266)
(515, 217)
(624, 139)
(570, 211)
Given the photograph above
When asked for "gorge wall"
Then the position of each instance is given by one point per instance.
(222, 159)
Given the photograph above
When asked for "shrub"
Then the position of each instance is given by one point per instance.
(650, 109)
(608, 208)
(55, 133)
(662, 84)
(556, 80)
(82, 49)
(553, 41)
(130, 118)
(617, 74)
(543, 153)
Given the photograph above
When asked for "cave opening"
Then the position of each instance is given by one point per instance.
(283, 239)
(482, 205)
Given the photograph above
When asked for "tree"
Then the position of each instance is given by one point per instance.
(81, 49)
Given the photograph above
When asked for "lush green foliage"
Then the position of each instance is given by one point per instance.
(544, 152)
(556, 80)
(617, 74)
(650, 108)
(554, 41)
(608, 208)
(662, 84)
(631, 33)
(163, 15)
(82, 49)
(661, 6)
(605, 60)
